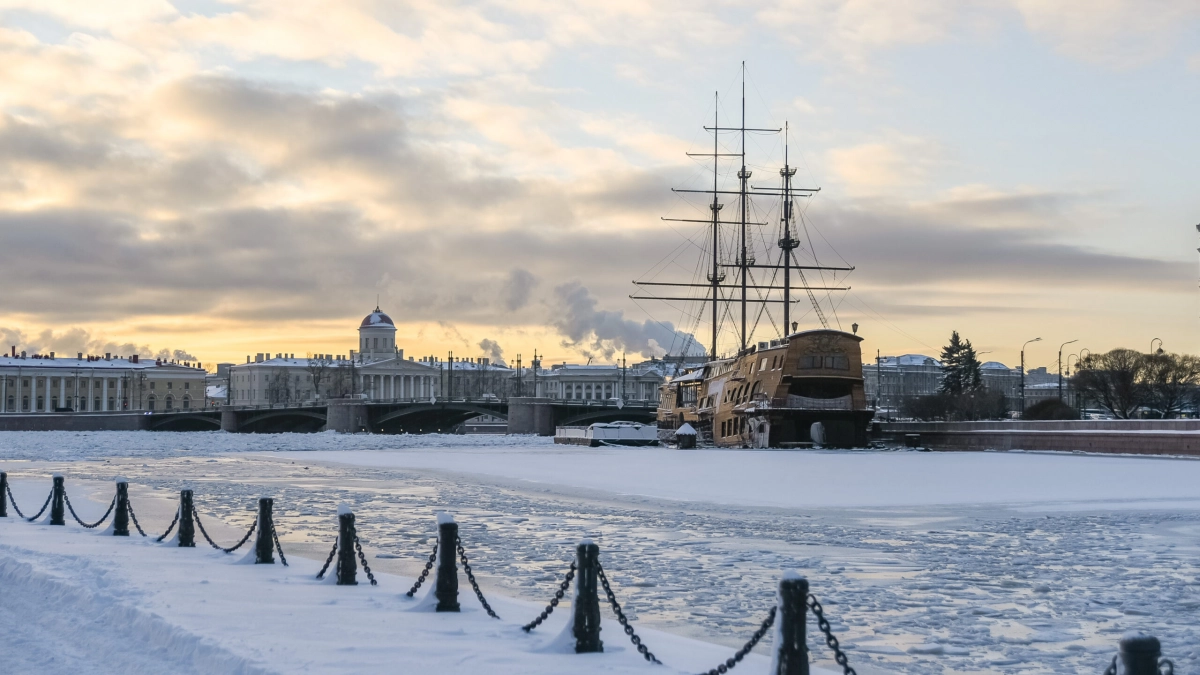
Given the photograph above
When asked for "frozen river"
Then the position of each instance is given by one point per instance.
(925, 562)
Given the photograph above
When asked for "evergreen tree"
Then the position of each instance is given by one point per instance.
(960, 368)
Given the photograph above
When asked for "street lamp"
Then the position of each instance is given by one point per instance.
(1060, 347)
(1037, 339)
(1160, 343)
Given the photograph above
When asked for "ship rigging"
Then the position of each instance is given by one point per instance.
(744, 290)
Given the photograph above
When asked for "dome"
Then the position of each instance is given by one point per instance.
(377, 319)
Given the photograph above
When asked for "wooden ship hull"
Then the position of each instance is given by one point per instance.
(772, 395)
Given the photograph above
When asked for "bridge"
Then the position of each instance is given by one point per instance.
(397, 416)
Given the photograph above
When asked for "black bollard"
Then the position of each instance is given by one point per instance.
(446, 588)
(57, 509)
(121, 514)
(791, 654)
(264, 545)
(587, 599)
(1138, 655)
(347, 566)
(187, 524)
(3, 494)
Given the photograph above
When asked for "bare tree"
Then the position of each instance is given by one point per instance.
(1170, 381)
(1116, 380)
(341, 380)
(317, 372)
(279, 387)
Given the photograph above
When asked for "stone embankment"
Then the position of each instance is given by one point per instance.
(1140, 437)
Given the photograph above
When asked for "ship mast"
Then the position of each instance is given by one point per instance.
(745, 262)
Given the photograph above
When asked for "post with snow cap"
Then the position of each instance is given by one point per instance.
(1138, 654)
(57, 509)
(587, 599)
(791, 647)
(264, 546)
(3, 494)
(121, 512)
(347, 567)
(446, 588)
(187, 525)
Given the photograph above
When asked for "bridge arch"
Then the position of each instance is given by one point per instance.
(186, 422)
(431, 417)
(608, 414)
(283, 420)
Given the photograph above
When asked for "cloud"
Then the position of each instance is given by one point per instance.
(1122, 34)
(71, 341)
(601, 332)
(896, 163)
(517, 289)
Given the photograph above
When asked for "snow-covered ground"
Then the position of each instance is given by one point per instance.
(926, 562)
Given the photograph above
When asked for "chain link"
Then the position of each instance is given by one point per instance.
(1112, 667)
(40, 511)
(723, 668)
(616, 606)
(14, 502)
(171, 526)
(462, 555)
(558, 596)
(1168, 664)
(133, 517)
(231, 549)
(80, 521)
(363, 559)
(279, 548)
(325, 567)
(830, 639)
(425, 572)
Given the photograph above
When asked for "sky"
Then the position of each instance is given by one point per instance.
(211, 179)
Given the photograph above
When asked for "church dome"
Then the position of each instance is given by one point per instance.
(377, 319)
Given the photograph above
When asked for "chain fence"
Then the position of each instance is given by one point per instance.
(1158, 665)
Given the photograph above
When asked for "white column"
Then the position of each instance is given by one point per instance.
(104, 395)
(62, 392)
(119, 389)
(3, 392)
(33, 393)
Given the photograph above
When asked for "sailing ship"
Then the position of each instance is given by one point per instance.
(797, 388)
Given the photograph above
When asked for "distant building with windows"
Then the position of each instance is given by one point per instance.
(377, 370)
(49, 383)
(893, 379)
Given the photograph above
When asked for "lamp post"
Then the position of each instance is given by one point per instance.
(1060, 348)
(1160, 343)
(1037, 339)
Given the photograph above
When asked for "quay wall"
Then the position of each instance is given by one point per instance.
(114, 421)
(1140, 437)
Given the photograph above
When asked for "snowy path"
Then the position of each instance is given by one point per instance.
(76, 601)
(992, 578)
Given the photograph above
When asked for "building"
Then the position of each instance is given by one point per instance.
(376, 371)
(474, 378)
(998, 377)
(48, 383)
(640, 382)
(893, 379)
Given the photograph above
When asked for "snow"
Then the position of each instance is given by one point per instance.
(129, 606)
(444, 518)
(811, 479)
(926, 563)
(344, 509)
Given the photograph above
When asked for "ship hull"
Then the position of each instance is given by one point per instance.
(806, 389)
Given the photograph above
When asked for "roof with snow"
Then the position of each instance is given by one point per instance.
(377, 319)
(910, 360)
(994, 365)
(7, 361)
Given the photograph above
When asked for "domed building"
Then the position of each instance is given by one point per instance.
(377, 335)
(377, 370)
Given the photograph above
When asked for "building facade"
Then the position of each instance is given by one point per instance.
(891, 380)
(48, 383)
(376, 371)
